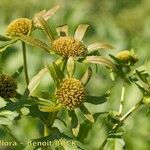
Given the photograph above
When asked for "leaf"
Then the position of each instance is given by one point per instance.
(99, 60)
(62, 30)
(45, 14)
(4, 38)
(59, 72)
(34, 42)
(87, 114)
(53, 74)
(97, 99)
(96, 46)
(6, 44)
(70, 66)
(74, 123)
(18, 72)
(6, 117)
(46, 28)
(36, 80)
(115, 144)
(86, 77)
(143, 76)
(80, 31)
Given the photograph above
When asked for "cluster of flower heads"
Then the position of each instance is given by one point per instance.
(71, 92)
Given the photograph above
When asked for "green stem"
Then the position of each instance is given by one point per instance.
(122, 119)
(25, 62)
(121, 100)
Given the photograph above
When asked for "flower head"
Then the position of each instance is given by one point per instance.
(8, 87)
(71, 93)
(127, 56)
(69, 47)
(19, 26)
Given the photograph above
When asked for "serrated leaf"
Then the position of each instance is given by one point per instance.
(97, 99)
(18, 72)
(96, 46)
(70, 66)
(74, 123)
(99, 60)
(34, 42)
(36, 80)
(87, 114)
(4, 38)
(6, 44)
(86, 77)
(62, 30)
(80, 31)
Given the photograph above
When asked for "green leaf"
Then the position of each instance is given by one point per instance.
(74, 123)
(59, 72)
(53, 74)
(97, 99)
(115, 144)
(36, 80)
(7, 116)
(46, 28)
(18, 72)
(143, 76)
(70, 66)
(99, 60)
(86, 77)
(6, 44)
(34, 42)
(4, 38)
(87, 114)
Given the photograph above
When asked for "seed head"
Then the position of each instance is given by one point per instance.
(126, 56)
(8, 87)
(71, 93)
(68, 46)
(19, 26)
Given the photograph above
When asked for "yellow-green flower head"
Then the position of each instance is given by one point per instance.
(19, 26)
(126, 56)
(69, 47)
(71, 93)
(8, 87)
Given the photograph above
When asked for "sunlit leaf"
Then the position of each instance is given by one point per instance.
(46, 28)
(35, 42)
(74, 123)
(6, 44)
(70, 66)
(115, 144)
(62, 30)
(86, 77)
(99, 60)
(96, 46)
(4, 38)
(87, 114)
(80, 31)
(36, 80)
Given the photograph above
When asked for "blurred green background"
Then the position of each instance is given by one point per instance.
(123, 23)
